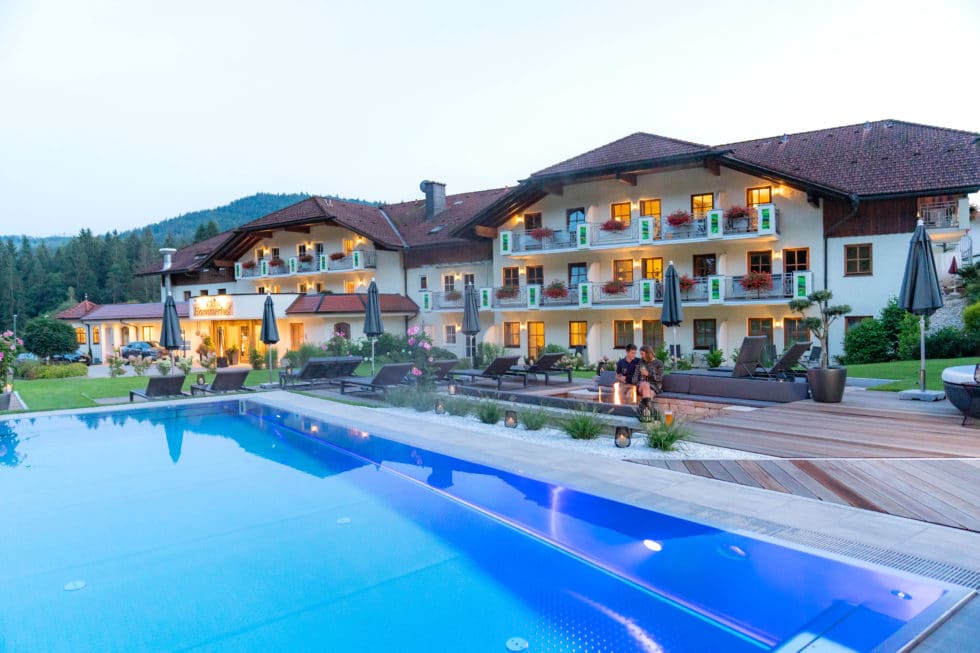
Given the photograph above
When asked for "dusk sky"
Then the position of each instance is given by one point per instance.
(116, 114)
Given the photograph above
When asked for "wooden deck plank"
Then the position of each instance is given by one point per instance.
(787, 477)
(815, 470)
(677, 465)
(866, 488)
(762, 477)
(821, 491)
(697, 467)
(904, 477)
(738, 473)
(718, 470)
(944, 478)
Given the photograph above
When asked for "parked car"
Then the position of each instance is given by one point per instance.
(26, 356)
(72, 357)
(146, 349)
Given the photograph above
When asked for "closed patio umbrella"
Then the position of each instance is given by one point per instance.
(471, 314)
(170, 337)
(270, 332)
(372, 318)
(672, 314)
(921, 295)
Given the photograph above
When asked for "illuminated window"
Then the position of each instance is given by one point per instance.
(652, 268)
(623, 270)
(535, 339)
(450, 334)
(760, 261)
(576, 333)
(620, 212)
(95, 335)
(758, 195)
(701, 204)
(622, 333)
(512, 334)
(532, 221)
(348, 246)
(857, 259)
(147, 333)
(796, 260)
(80, 335)
(535, 274)
(349, 286)
(650, 208)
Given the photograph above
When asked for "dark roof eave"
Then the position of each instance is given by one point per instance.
(632, 166)
(965, 190)
(779, 175)
(523, 195)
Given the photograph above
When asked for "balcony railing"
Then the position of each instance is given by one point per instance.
(940, 215)
(450, 300)
(626, 236)
(356, 260)
(560, 239)
(782, 287)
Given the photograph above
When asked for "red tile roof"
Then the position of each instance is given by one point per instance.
(364, 219)
(635, 148)
(191, 257)
(409, 217)
(77, 311)
(876, 158)
(153, 311)
(354, 303)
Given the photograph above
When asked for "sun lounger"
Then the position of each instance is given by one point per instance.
(441, 369)
(749, 356)
(318, 371)
(226, 380)
(783, 368)
(161, 387)
(389, 376)
(545, 365)
(495, 371)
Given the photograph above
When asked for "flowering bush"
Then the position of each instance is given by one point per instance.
(615, 287)
(276, 262)
(507, 292)
(679, 218)
(452, 295)
(556, 290)
(338, 345)
(613, 224)
(9, 346)
(248, 265)
(336, 256)
(757, 281)
(541, 232)
(735, 212)
(116, 365)
(686, 282)
(420, 353)
(305, 258)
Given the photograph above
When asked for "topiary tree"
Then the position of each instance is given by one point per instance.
(828, 314)
(46, 337)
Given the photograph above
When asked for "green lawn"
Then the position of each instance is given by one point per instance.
(906, 373)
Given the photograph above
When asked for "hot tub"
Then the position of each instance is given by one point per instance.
(963, 389)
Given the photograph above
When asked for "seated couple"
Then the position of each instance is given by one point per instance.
(645, 372)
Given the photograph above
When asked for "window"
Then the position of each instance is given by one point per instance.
(222, 291)
(620, 212)
(760, 261)
(275, 253)
(574, 217)
(260, 255)
(124, 335)
(80, 337)
(758, 195)
(623, 270)
(187, 295)
(319, 287)
(652, 268)
(704, 265)
(260, 290)
(512, 334)
(349, 287)
(342, 329)
(147, 333)
(95, 335)
(622, 333)
(512, 277)
(301, 288)
(576, 333)
(796, 260)
(794, 331)
(535, 339)
(348, 246)
(761, 326)
(278, 289)
(424, 282)
(577, 273)
(532, 221)
(650, 208)
(204, 293)
(535, 274)
(857, 259)
(653, 333)
(448, 282)
(469, 279)
(301, 249)
(450, 334)
(854, 320)
(297, 335)
(701, 204)
(318, 249)
(704, 334)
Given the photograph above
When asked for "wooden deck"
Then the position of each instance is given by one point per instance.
(872, 451)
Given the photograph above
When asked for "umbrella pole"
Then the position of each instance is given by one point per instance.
(673, 354)
(922, 353)
(372, 356)
(270, 364)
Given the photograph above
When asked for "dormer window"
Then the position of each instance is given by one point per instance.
(758, 195)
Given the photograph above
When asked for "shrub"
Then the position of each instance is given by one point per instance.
(662, 353)
(27, 369)
(485, 353)
(583, 426)
(971, 317)
(440, 354)
(47, 336)
(891, 318)
(867, 342)
(140, 364)
(61, 371)
(256, 359)
(459, 406)
(663, 436)
(908, 338)
(401, 397)
(951, 342)
(299, 357)
(184, 364)
(116, 365)
(533, 419)
(423, 401)
(556, 290)
(489, 412)
(164, 365)
(714, 358)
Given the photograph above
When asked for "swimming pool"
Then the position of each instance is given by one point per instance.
(232, 526)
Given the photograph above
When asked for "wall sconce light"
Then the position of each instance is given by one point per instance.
(453, 388)
(777, 256)
(523, 326)
(510, 419)
(518, 218)
(624, 437)
(777, 324)
(440, 407)
(636, 264)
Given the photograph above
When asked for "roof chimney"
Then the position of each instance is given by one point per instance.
(435, 197)
(784, 138)
(168, 253)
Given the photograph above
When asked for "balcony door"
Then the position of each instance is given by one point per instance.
(535, 339)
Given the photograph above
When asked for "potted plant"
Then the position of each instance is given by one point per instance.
(612, 224)
(739, 212)
(276, 262)
(232, 354)
(305, 258)
(336, 256)
(556, 290)
(507, 292)
(248, 265)
(541, 232)
(614, 287)
(679, 218)
(686, 283)
(757, 281)
(826, 383)
(452, 295)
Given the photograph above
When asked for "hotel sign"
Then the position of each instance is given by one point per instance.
(220, 306)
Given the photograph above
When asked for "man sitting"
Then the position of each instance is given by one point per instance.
(626, 366)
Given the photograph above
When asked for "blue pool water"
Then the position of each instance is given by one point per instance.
(234, 527)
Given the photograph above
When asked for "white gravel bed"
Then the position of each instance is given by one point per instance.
(603, 445)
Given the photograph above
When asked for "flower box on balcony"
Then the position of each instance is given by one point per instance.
(507, 292)
(336, 256)
(541, 232)
(306, 258)
(686, 283)
(248, 265)
(556, 290)
(757, 281)
(679, 218)
(276, 262)
(614, 287)
(739, 212)
(614, 225)
(452, 295)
